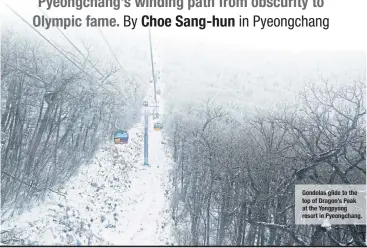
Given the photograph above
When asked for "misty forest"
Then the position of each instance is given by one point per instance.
(241, 129)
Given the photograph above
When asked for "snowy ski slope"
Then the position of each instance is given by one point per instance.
(115, 200)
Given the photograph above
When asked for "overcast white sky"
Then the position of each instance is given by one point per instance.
(192, 56)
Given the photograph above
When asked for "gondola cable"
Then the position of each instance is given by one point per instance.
(114, 54)
(76, 48)
(53, 45)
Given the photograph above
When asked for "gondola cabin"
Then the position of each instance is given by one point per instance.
(145, 103)
(157, 126)
(121, 137)
(158, 92)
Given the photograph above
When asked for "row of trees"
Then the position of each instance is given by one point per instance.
(234, 178)
(55, 111)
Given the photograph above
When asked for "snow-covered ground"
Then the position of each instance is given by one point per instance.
(115, 200)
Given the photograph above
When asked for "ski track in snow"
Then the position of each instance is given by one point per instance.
(115, 200)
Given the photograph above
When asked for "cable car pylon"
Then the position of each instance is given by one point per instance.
(146, 162)
(146, 147)
(152, 62)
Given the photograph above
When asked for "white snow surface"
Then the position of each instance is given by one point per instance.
(115, 200)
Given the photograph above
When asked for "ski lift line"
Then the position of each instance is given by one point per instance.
(31, 185)
(99, 83)
(76, 48)
(43, 37)
(113, 53)
(26, 73)
(152, 62)
(53, 45)
(72, 56)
